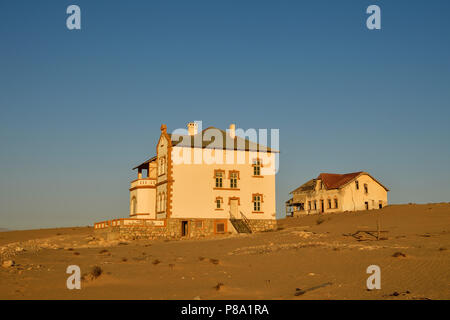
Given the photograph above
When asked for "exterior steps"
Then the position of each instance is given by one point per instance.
(241, 226)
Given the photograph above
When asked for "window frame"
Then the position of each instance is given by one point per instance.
(257, 201)
(220, 208)
(233, 176)
(257, 164)
(216, 177)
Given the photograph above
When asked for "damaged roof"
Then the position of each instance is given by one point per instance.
(333, 181)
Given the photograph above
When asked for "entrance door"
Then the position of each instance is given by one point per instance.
(184, 228)
(234, 208)
(322, 209)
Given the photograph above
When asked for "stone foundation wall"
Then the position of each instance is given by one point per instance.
(197, 228)
(262, 225)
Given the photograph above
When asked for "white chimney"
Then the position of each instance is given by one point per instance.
(192, 128)
(232, 130)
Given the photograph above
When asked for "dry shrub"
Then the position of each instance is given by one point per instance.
(218, 286)
(398, 254)
(96, 272)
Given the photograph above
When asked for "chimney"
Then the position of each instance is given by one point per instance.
(232, 130)
(192, 128)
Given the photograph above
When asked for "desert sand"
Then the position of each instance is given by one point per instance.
(306, 258)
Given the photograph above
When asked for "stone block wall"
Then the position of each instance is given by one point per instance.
(260, 225)
(197, 228)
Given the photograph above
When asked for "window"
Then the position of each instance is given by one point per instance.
(234, 176)
(257, 199)
(257, 167)
(329, 203)
(133, 205)
(336, 203)
(309, 205)
(158, 203)
(199, 224)
(219, 178)
(366, 188)
(162, 165)
(357, 185)
(220, 227)
(367, 205)
(219, 202)
(161, 204)
(315, 204)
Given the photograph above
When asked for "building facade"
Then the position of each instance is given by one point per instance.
(201, 183)
(330, 193)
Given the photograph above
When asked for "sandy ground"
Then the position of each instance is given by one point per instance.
(322, 260)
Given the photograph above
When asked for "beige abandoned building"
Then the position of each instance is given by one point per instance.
(331, 192)
(201, 183)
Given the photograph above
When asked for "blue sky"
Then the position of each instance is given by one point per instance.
(78, 109)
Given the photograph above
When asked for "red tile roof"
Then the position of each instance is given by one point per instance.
(335, 181)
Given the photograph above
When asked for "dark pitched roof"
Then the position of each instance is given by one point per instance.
(209, 142)
(214, 138)
(143, 164)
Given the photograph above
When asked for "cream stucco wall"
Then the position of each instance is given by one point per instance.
(354, 199)
(145, 203)
(194, 191)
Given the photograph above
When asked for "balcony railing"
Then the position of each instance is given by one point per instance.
(129, 222)
(143, 182)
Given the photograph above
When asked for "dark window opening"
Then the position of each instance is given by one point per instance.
(184, 228)
(220, 227)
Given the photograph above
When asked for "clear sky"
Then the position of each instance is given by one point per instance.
(79, 109)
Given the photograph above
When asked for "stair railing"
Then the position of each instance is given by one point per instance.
(246, 221)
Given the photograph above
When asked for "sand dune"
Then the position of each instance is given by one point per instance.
(306, 258)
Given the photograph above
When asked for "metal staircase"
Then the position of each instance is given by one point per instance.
(241, 225)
